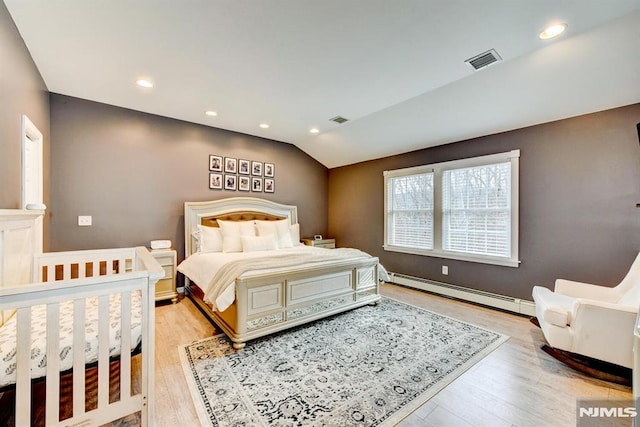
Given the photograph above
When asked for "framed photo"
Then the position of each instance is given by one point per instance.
(229, 165)
(269, 184)
(256, 168)
(244, 167)
(230, 182)
(215, 163)
(269, 171)
(256, 185)
(215, 181)
(244, 183)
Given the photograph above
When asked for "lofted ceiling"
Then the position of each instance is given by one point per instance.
(395, 69)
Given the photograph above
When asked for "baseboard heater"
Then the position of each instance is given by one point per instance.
(502, 302)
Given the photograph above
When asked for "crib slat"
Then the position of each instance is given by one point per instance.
(78, 356)
(82, 270)
(66, 271)
(23, 363)
(53, 364)
(125, 346)
(103, 351)
(51, 272)
(147, 302)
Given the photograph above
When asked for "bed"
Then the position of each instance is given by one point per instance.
(92, 308)
(280, 285)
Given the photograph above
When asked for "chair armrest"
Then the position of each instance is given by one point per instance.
(587, 291)
(604, 331)
(584, 306)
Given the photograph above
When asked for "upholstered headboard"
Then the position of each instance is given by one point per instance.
(231, 209)
(211, 221)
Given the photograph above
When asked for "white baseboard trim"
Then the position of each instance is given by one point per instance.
(515, 305)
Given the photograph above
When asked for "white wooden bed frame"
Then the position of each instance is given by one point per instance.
(22, 287)
(272, 302)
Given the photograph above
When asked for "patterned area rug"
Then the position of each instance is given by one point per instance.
(371, 366)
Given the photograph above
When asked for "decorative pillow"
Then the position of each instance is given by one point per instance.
(232, 231)
(294, 231)
(209, 239)
(279, 228)
(259, 243)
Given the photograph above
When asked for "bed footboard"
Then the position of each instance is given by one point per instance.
(273, 302)
(72, 279)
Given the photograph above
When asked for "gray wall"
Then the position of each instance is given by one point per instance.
(132, 172)
(22, 91)
(579, 184)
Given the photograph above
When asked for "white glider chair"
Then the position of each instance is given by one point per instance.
(590, 320)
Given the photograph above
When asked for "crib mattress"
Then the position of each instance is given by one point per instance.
(39, 340)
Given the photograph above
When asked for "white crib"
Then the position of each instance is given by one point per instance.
(68, 282)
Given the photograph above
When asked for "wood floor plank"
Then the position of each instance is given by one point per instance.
(176, 325)
(517, 384)
(469, 407)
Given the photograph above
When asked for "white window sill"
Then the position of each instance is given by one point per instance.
(505, 262)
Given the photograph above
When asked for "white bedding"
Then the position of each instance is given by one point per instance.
(39, 340)
(202, 268)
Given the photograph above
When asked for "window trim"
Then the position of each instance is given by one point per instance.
(438, 168)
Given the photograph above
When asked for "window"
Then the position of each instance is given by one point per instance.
(410, 211)
(464, 209)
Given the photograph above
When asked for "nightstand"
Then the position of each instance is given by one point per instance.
(322, 243)
(166, 287)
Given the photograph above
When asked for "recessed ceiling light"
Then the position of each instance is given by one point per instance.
(553, 30)
(211, 113)
(264, 125)
(144, 83)
(314, 130)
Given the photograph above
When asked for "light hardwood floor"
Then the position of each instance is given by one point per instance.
(516, 385)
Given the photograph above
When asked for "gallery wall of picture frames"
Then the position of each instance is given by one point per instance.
(233, 174)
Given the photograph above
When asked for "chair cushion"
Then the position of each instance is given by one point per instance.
(554, 308)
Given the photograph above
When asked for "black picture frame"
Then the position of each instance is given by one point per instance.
(256, 168)
(269, 170)
(215, 163)
(244, 167)
(256, 185)
(230, 182)
(244, 183)
(269, 185)
(215, 181)
(230, 164)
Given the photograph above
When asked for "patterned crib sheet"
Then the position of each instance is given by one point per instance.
(39, 340)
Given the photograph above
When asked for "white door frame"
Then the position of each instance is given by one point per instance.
(33, 173)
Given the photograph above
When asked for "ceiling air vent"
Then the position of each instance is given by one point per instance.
(339, 119)
(484, 59)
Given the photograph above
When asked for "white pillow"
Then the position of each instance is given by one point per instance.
(259, 243)
(294, 231)
(232, 231)
(209, 239)
(279, 228)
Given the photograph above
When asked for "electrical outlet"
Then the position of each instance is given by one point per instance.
(445, 269)
(84, 220)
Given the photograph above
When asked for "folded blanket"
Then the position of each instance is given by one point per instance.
(228, 273)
